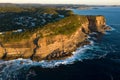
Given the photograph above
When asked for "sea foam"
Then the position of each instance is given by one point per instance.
(13, 67)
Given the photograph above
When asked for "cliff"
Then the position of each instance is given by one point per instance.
(55, 40)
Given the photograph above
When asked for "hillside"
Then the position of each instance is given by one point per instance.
(53, 40)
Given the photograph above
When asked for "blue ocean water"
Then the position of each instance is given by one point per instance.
(98, 61)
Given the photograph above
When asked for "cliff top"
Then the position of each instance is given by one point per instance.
(65, 26)
(44, 22)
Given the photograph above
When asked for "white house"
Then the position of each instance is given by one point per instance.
(18, 30)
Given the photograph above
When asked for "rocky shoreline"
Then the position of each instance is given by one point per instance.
(57, 54)
(55, 47)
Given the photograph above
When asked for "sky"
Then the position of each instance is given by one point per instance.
(90, 2)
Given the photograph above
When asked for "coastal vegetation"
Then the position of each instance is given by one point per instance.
(65, 26)
(46, 21)
(12, 18)
(15, 37)
(21, 25)
(44, 33)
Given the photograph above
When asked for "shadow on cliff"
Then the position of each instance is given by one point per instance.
(5, 54)
(92, 23)
(35, 42)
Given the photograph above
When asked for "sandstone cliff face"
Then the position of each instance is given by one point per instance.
(53, 47)
(2, 51)
(97, 24)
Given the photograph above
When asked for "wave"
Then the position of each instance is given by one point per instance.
(112, 29)
(79, 55)
(18, 63)
(112, 26)
(12, 68)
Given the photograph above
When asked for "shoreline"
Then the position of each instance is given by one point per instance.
(61, 55)
(57, 46)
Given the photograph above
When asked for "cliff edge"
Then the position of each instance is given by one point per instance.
(55, 40)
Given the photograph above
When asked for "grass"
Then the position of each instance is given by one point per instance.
(65, 26)
(15, 37)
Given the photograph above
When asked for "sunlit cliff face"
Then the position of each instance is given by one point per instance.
(53, 47)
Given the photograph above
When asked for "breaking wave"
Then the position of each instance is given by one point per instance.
(12, 68)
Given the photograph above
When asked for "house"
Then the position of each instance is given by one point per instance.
(2, 33)
(18, 30)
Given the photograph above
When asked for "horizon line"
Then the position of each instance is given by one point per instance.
(62, 4)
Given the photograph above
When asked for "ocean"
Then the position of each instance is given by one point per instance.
(100, 60)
